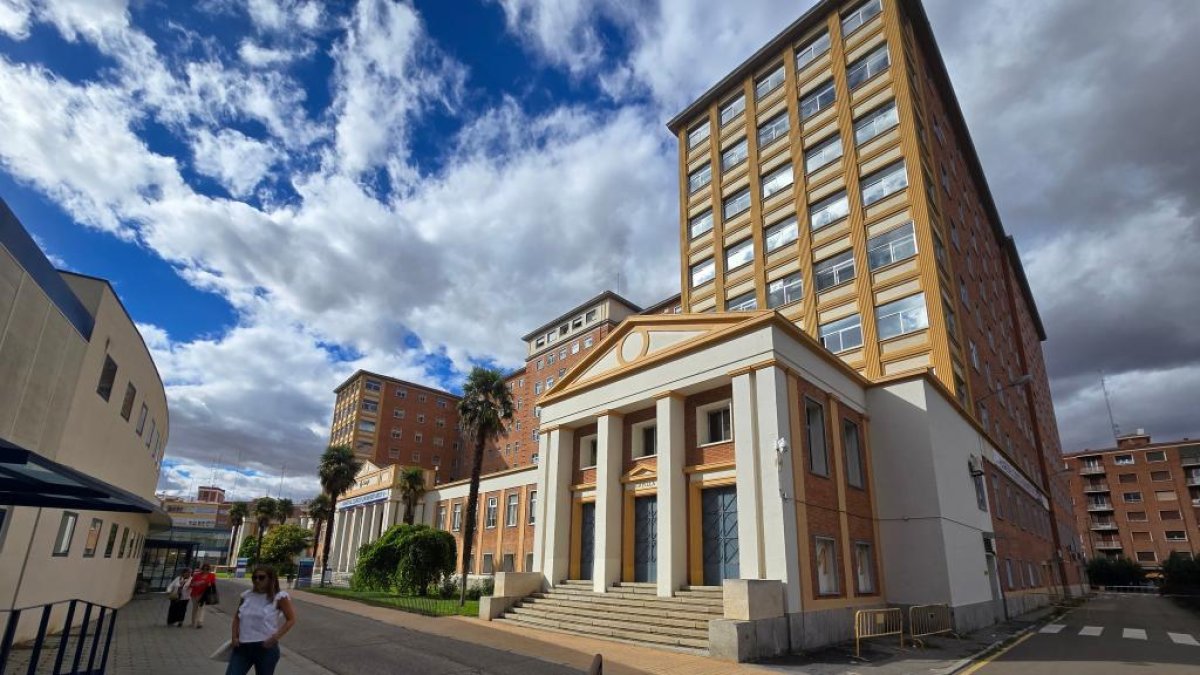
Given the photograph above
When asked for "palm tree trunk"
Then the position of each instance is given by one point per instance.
(328, 538)
(472, 509)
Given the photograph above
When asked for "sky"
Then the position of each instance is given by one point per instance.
(285, 191)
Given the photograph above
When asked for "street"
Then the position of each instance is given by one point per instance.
(1111, 634)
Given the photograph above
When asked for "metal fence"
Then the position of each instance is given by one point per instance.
(1138, 590)
(873, 623)
(926, 620)
(74, 648)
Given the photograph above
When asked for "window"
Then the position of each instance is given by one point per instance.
(823, 153)
(645, 442)
(1008, 572)
(876, 122)
(1151, 456)
(814, 429)
(769, 82)
(810, 51)
(489, 518)
(827, 576)
(549, 383)
(418, 437)
(108, 376)
(777, 181)
(370, 406)
(1132, 497)
(397, 433)
(980, 489)
(782, 233)
(528, 562)
(1176, 535)
(786, 290)
(829, 210)
(736, 204)
(440, 523)
(732, 108)
(124, 541)
(699, 178)
(735, 155)
(1121, 478)
(834, 271)
(574, 347)
(1123, 460)
(511, 510)
(739, 254)
(717, 425)
(587, 452)
(537, 388)
(850, 443)
(66, 530)
(141, 423)
(905, 315)
(150, 436)
(1168, 515)
(772, 130)
(843, 334)
(892, 246)
(1160, 476)
(363, 425)
(867, 67)
(884, 183)
(1146, 556)
(851, 21)
(416, 457)
(532, 506)
(746, 302)
(93, 538)
(698, 134)
(456, 518)
(588, 341)
(401, 392)
(1165, 496)
(398, 413)
(127, 404)
(819, 99)
(864, 567)
(112, 540)
(488, 564)
(1136, 516)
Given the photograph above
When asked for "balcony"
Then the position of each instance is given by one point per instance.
(1193, 479)
(1104, 525)
(1102, 486)
(1107, 545)
(1189, 461)
(1100, 506)
(1090, 470)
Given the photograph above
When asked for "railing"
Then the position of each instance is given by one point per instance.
(1090, 470)
(72, 640)
(1104, 525)
(1136, 590)
(1099, 506)
(1193, 480)
(872, 623)
(926, 620)
(1114, 544)
(1096, 487)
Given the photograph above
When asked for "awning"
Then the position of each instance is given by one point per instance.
(28, 479)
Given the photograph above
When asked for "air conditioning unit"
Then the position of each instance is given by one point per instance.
(989, 545)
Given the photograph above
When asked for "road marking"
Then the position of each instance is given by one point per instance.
(1091, 631)
(988, 659)
(1183, 639)
(1134, 634)
(1052, 628)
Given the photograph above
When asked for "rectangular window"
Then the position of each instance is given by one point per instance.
(1160, 476)
(741, 253)
(829, 210)
(819, 99)
(401, 392)
(108, 377)
(703, 272)
(786, 290)
(1175, 535)
(884, 183)
(892, 246)
(697, 134)
(1146, 556)
(1136, 516)
(719, 427)
(854, 19)
(746, 302)
(876, 122)
(649, 438)
(699, 178)
(363, 425)
(736, 204)
(811, 50)
(1123, 460)
(1156, 456)
(93, 538)
(850, 443)
(864, 567)
(456, 518)
(528, 562)
(700, 224)
(732, 108)
(980, 489)
(1121, 478)
(587, 453)
(867, 67)
(905, 315)
(141, 423)
(1168, 515)
(66, 530)
(823, 153)
(150, 436)
(777, 181)
(487, 564)
(834, 271)
(1165, 496)
(772, 130)
(769, 82)
(782, 233)
(124, 542)
(112, 541)
(814, 428)
(440, 523)
(512, 510)
(532, 517)
(827, 573)
(370, 406)
(843, 334)
(734, 155)
(127, 404)
(1132, 497)
(372, 385)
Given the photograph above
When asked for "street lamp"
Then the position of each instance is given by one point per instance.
(1024, 379)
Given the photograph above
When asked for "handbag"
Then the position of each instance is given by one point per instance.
(223, 653)
(210, 595)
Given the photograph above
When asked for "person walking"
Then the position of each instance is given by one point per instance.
(264, 615)
(202, 581)
(179, 595)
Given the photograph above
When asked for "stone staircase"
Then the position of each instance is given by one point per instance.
(629, 612)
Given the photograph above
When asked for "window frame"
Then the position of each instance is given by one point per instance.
(739, 303)
(512, 510)
(864, 65)
(870, 118)
(817, 97)
(772, 181)
(880, 177)
(744, 247)
(830, 544)
(702, 128)
(771, 125)
(709, 262)
(744, 145)
(871, 587)
(918, 325)
(724, 116)
(825, 205)
(893, 239)
(787, 300)
(830, 268)
(841, 343)
(811, 404)
(855, 468)
(65, 537)
(782, 225)
(811, 48)
(108, 378)
(817, 150)
(694, 187)
(774, 78)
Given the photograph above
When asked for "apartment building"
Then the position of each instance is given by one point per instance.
(390, 421)
(831, 177)
(1139, 500)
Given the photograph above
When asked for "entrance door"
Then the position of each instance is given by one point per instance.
(720, 536)
(998, 610)
(645, 539)
(587, 540)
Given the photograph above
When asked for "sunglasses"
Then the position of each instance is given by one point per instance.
(260, 577)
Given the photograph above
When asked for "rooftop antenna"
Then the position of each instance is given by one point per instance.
(1108, 404)
(282, 473)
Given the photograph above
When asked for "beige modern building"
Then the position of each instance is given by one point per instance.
(83, 427)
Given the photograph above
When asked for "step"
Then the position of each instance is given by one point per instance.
(606, 632)
(616, 620)
(637, 615)
(676, 613)
(699, 605)
(639, 597)
(715, 590)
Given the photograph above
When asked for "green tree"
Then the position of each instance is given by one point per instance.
(282, 544)
(321, 512)
(1181, 574)
(264, 512)
(237, 517)
(407, 558)
(283, 510)
(337, 470)
(412, 487)
(1104, 571)
(485, 407)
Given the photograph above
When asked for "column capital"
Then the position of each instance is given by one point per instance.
(548, 428)
(769, 363)
(669, 393)
(610, 413)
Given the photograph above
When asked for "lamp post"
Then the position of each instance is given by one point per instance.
(1022, 380)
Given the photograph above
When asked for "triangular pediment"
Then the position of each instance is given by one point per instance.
(639, 473)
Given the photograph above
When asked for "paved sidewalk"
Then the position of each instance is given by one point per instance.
(145, 645)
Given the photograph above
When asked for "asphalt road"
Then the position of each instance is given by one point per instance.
(1109, 635)
(350, 644)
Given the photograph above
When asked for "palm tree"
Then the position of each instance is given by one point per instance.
(237, 516)
(264, 512)
(412, 487)
(485, 407)
(338, 469)
(321, 512)
(283, 510)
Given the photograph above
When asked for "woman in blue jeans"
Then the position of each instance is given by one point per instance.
(265, 614)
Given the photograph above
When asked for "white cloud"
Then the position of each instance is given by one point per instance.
(14, 18)
(236, 160)
(285, 15)
(258, 56)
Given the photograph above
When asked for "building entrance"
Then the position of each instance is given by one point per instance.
(645, 539)
(719, 531)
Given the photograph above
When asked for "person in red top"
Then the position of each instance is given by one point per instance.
(201, 582)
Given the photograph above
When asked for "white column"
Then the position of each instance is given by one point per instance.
(539, 514)
(335, 542)
(775, 457)
(607, 569)
(672, 491)
(343, 538)
(749, 492)
(557, 548)
(360, 525)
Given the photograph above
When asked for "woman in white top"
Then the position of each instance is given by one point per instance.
(264, 615)
(179, 593)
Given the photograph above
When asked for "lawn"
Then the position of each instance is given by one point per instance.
(429, 606)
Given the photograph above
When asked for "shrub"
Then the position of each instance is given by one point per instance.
(1181, 574)
(407, 558)
(1103, 571)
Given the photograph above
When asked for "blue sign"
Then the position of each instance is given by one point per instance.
(240, 571)
(304, 572)
(369, 498)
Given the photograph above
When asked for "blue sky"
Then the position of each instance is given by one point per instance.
(283, 191)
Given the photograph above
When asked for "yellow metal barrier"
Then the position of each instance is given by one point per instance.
(926, 620)
(871, 623)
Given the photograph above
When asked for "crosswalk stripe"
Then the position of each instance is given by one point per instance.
(1052, 628)
(1091, 631)
(1134, 634)
(1183, 639)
